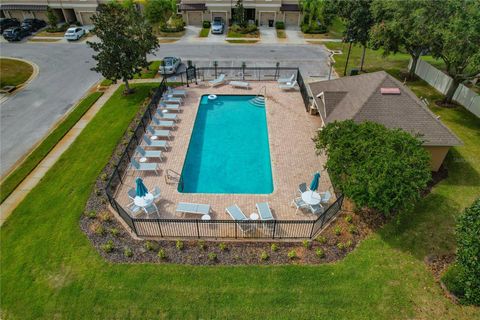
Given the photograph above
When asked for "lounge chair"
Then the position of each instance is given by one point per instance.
(299, 204)
(325, 197)
(302, 187)
(134, 209)
(167, 116)
(169, 106)
(193, 208)
(159, 133)
(144, 166)
(176, 92)
(155, 143)
(151, 208)
(285, 80)
(132, 193)
(216, 82)
(239, 84)
(316, 209)
(264, 211)
(163, 123)
(288, 85)
(156, 193)
(149, 153)
(236, 214)
(168, 98)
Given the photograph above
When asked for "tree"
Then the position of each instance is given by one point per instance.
(317, 12)
(359, 20)
(125, 40)
(458, 43)
(240, 14)
(380, 168)
(52, 18)
(159, 11)
(408, 25)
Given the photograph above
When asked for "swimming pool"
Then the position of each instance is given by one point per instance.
(228, 150)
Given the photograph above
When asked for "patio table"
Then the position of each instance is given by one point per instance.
(143, 201)
(311, 197)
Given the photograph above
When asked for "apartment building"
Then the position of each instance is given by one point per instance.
(66, 10)
(265, 12)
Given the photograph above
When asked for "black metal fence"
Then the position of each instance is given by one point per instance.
(209, 229)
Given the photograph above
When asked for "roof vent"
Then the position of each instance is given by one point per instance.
(389, 91)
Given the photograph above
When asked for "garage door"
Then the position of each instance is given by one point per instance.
(265, 16)
(194, 18)
(291, 19)
(222, 15)
(87, 18)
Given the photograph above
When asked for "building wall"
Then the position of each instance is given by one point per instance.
(438, 155)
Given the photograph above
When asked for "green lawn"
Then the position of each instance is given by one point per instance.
(233, 34)
(16, 177)
(148, 73)
(50, 270)
(14, 72)
(335, 31)
(204, 32)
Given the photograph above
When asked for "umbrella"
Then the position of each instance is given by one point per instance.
(141, 190)
(314, 184)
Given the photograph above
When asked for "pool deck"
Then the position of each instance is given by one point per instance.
(292, 152)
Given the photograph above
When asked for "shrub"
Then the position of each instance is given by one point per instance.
(91, 214)
(348, 244)
(280, 25)
(148, 246)
(292, 254)
(307, 244)
(452, 280)
(274, 247)
(320, 253)
(106, 82)
(127, 252)
(201, 244)
(108, 246)
(114, 232)
(348, 219)
(52, 18)
(212, 256)
(222, 246)
(98, 229)
(179, 245)
(251, 28)
(341, 246)
(352, 229)
(105, 216)
(337, 230)
(468, 252)
(206, 24)
(314, 29)
(321, 239)
(264, 256)
(161, 254)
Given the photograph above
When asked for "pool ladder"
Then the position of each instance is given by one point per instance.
(259, 100)
(174, 177)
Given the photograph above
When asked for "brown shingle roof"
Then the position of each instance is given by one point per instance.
(359, 98)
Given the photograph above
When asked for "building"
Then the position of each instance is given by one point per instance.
(381, 98)
(66, 10)
(264, 12)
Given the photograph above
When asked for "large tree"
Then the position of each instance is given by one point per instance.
(376, 167)
(125, 40)
(458, 42)
(404, 25)
(318, 11)
(159, 11)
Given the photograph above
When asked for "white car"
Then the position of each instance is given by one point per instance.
(169, 65)
(74, 33)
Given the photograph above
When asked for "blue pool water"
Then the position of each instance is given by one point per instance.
(228, 150)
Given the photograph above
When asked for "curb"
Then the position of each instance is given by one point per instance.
(20, 87)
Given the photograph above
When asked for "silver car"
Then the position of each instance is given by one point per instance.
(217, 25)
(169, 65)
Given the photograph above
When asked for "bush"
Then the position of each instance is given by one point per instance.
(99, 229)
(452, 280)
(321, 239)
(274, 247)
(105, 216)
(174, 24)
(127, 252)
(264, 256)
(206, 24)
(91, 214)
(341, 246)
(148, 246)
(468, 252)
(314, 29)
(179, 245)
(292, 254)
(201, 245)
(352, 229)
(348, 219)
(161, 254)
(108, 246)
(280, 25)
(320, 253)
(337, 230)
(307, 244)
(222, 246)
(114, 232)
(212, 256)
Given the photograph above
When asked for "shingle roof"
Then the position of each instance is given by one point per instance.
(359, 98)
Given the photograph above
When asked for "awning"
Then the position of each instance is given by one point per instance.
(193, 7)
(290, 7)
(25, 7)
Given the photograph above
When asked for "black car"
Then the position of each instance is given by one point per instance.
(6, 23)
(33, 24)
(15, 34)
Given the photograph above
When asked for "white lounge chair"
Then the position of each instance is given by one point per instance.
(177, 92)
(285, 80)
(264, 211)
(239, 84)
(169, 106)
(151, 208)
(236, 214)
(149, 153)
(288, 85)
(163, 123)
(216, 82)
(299, 204)
(325, 197)
(193, 208)
(159, 133)
(144, 166)
(166, 115)
(168, 98)
(155, 143)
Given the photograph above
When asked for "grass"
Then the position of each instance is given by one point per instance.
(281, 34)
(171, 34)
(239, 41)
(335, 31)
(33, 159)
(148, 73)
(204, 32)
(233, 34)
(50, 270)
(50, 34)
(14, 72)
(43, 40)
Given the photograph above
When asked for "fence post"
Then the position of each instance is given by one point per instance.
(311, 231)
(274, 228)
(235, 223)
(198, 230)
(160, 228)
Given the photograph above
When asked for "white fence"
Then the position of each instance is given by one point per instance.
(440, 81)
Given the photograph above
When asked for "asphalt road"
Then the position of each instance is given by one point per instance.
(65, 76)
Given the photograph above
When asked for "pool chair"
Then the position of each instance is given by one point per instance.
(156, 193)
(131, 194)
(149, 153)
(193, 208)
(144, 166)
(216, 82)
(288, 85)
(316, 209)
(325, 197)
(134, 209)
(302, 187)
(168, 98)
(236, 214)
(177, 92)
(156, 143)
(299, 204)
(151, 208)
(264, 211)
(169, 107)
(166, 115)
(285, 80)
(163, 123)
(159, 133)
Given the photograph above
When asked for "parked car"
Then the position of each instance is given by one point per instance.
(15, 34)
(35, 24)
(6, 23)
(74, 33)
(170, 65)
(218, 25)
